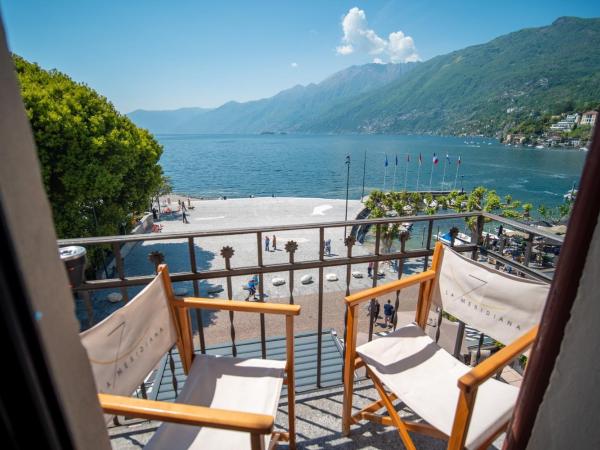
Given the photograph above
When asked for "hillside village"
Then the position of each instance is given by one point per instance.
(567, 130)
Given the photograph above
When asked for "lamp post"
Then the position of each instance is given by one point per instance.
(362, 195)
(347, 190)
(462, 189)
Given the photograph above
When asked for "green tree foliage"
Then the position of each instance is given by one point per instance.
(583, 132)
(98, 168)
(479, 199)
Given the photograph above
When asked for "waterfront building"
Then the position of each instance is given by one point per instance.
(567, 124)
(589, 118)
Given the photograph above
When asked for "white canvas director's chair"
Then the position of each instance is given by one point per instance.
(461, 404)
(225, 403)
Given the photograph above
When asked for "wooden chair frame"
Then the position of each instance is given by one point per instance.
(254, 424)
(468, 383)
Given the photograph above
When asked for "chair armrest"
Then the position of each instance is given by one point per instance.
(487, 368)
(186, 414)
(394, 286)
(236, 305)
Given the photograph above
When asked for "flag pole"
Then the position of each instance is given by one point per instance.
(394, 179)
(444, 176)
(406, 171)
(362, 195)
(385, 172)
(431, 174)
(419, 172)
(456, 176)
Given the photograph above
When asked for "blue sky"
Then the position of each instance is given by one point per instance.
(156, 54)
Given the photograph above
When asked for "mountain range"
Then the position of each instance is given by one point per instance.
(285, 111)
(480, 89)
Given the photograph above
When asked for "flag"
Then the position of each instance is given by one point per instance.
(447, 158)
(458, 162)
(435, 159)
(396, 159)
(386, 161)
(420, 159)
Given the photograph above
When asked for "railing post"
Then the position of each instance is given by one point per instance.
(460, 334)
(528, 248)
(501, 243)
(375, 276)
(291, 247)
(120, 269)
(479, 344)
(476, 239)
(320, 312)
(197, 312)
(428, 247)
(397, 302)
(349, 243)
(227, 252)
(172, 367)
(87, 300)
(261, 295)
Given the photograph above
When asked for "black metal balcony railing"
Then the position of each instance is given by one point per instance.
(520, 260)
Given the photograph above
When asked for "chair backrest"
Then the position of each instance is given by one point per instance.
(128, 344)
(500, 305)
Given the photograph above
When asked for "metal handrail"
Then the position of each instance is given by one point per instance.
(252, 230)
(260, 268)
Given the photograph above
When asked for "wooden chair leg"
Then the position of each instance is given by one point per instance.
(402, 430)
(291, 415)
(462, 419)
(349, 367)
(257, 442)
(291, 383)
(374, 407)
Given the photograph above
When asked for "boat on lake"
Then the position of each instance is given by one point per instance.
(461, 239)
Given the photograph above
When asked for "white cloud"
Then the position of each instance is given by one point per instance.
(402, 48)
(345, 49)
(359, 38)
(378, 61)
(294, 65)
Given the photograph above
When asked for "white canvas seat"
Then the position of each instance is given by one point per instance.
(225, 403)
(461, 404)
(424, 376)
(246, 385)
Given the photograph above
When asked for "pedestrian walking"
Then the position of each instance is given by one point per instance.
(267, 244)
(328, 247)
(252, 287)
(388, 312)
(154, 214)
(376, 307)
(370, 269)
(183, 208)
(274, 243)
(184, 217)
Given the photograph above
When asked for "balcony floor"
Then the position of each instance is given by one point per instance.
(318, 412)
(318, 425)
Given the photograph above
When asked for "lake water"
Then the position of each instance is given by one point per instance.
(313, 165)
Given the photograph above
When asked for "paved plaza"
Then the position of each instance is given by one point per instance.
(230, 214)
